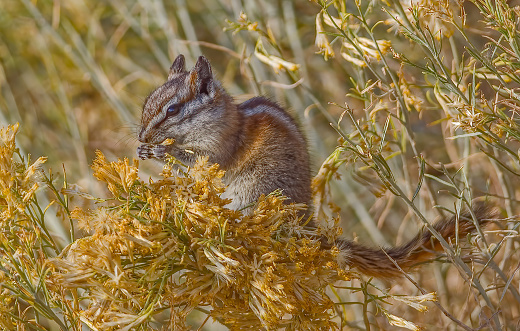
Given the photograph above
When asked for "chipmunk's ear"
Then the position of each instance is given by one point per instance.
(204, 76)
(178, 66)
(203, 68)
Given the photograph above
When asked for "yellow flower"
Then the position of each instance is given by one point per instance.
(401, 322)
(322, 41)
(415, 301)
(119, 176)
(275, 62)
(369, 49)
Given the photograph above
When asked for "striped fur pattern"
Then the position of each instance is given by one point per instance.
(262, 150)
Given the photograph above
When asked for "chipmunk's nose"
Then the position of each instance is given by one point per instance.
(140, 136)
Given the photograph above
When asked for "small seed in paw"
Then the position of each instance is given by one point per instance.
(168, 141)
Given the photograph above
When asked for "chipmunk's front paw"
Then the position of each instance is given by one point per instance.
(160, 152)
(145, 151)
(148, 151)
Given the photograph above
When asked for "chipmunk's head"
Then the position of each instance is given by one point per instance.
(186, 108)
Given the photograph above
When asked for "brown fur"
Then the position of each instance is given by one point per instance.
(262, 150)
(267, 158)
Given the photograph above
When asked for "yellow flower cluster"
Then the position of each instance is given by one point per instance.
(20, 251)
(436, 16)
(356, 50)
(17, 183)
(171, 244)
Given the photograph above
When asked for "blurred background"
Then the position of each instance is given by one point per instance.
(75, 73)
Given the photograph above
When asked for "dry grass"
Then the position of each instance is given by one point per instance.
(423, 100)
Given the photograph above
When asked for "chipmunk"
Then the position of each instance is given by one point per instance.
(262, 149)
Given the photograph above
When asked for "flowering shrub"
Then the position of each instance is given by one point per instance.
(170, 244)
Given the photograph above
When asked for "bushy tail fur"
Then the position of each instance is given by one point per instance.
(374, 262)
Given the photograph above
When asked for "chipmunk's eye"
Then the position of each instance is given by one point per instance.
(174, 109)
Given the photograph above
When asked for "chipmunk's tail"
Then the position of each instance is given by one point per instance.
(375, 262)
